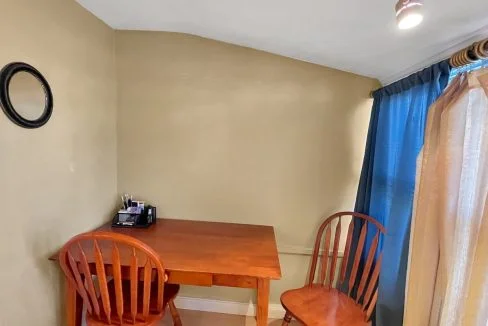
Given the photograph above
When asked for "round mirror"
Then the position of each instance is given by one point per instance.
(25, 95)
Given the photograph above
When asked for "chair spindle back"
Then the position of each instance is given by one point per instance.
(113, 257)
(331, 275)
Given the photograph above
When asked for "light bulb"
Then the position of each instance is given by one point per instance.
(410, 21)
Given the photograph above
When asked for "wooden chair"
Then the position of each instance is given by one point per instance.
(120, 279)
(320, 303)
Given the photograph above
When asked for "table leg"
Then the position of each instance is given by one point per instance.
(263, 302)
(74, 305)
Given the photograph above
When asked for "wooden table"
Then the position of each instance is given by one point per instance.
(206, 254)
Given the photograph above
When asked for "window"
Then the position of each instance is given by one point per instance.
(474, 66)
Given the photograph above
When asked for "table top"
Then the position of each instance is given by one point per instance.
(210, 247)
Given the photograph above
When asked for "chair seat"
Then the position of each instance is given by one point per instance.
(321, 306)
(170, 292)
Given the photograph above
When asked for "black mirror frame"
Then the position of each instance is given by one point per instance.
(6, 75)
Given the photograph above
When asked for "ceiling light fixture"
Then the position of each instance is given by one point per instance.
(409, 13)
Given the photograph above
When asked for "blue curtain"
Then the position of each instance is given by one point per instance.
(386, 188)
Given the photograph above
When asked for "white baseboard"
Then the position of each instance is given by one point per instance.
(276, 311)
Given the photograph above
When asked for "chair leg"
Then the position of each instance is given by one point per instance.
(174, 313)
(286, 319)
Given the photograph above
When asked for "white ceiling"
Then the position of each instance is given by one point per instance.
(359, 36)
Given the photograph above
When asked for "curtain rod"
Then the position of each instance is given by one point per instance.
(471, 54)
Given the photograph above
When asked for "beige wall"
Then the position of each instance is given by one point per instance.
(228, 134)
(212, 131)
(58, 180)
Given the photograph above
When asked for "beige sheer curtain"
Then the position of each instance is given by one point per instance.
(447, 281)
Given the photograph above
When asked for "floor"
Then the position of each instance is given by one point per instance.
(200, 318)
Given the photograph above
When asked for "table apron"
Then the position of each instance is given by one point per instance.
(209, 279)
(192, 278)
(189, 278)
(236, 281)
